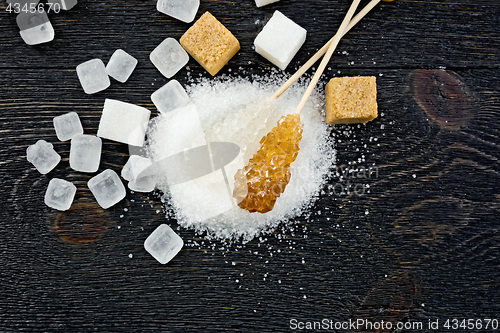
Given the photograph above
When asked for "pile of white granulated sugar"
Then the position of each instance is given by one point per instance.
(234, 110)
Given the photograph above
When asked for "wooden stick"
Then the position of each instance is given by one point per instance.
(323, 50)
(328, 55)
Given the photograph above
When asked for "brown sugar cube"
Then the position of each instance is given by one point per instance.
(210, 43)
(351, 100)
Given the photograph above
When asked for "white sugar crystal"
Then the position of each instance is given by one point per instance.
(178, 130)
(107, 188)
(141, 173)
(60, 194)
(63, 4)
(261, 3)
(85, 153)
(184, 10)
(123, 122)
(35, 28)
(43, 156)
(92, 76)
(280, 40)
(121, 65)
(170, 97)
(163, 244)
(67, 126)
(169, 57)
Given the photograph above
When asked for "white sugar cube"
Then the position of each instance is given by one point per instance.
(43, 156)
(121, 65)
(67, 126)
(60, 194)
(280, 40)
(261, 3)
(141, 173)
(85, 153)
(169, 57)
(184, 10)
(35, 28)
(107, 188)
(123, 122)
(170, 97)
(92, 76)
(163, 244)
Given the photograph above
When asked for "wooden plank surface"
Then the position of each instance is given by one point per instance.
(422, 245)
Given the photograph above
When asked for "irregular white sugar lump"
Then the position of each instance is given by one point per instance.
(184, 10)
(163, 244)
(123, 122)
(60, 194)
(35, 28)
(261, 3)
(169, 57)
(225, 99)
(56, 5)
(85, 153)
(43, 156)
(107, 188)
(141, 173)
(170, 97)
(175, 132)
(67, 126)
(279, 40)
(92, 76)
(121, 65)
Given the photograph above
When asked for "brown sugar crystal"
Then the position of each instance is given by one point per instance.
(259, 184)
(210, 43)
(351, 100)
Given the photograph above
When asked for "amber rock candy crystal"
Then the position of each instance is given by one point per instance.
(261, 182)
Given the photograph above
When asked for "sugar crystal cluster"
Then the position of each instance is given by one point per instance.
(184, 10)
(141, 173)
(121, 65)
(32, 20)
(43, 156)
(92, 75)
(170, 97)
(169, 57)
(107, 188)
(85, 153)
(35, 28)
(163, 244)
(263, 180)
(67, 126)
(60, 194)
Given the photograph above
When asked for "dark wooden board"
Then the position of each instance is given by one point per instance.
(422, 245)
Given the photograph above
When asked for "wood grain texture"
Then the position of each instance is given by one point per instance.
(422, 241)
